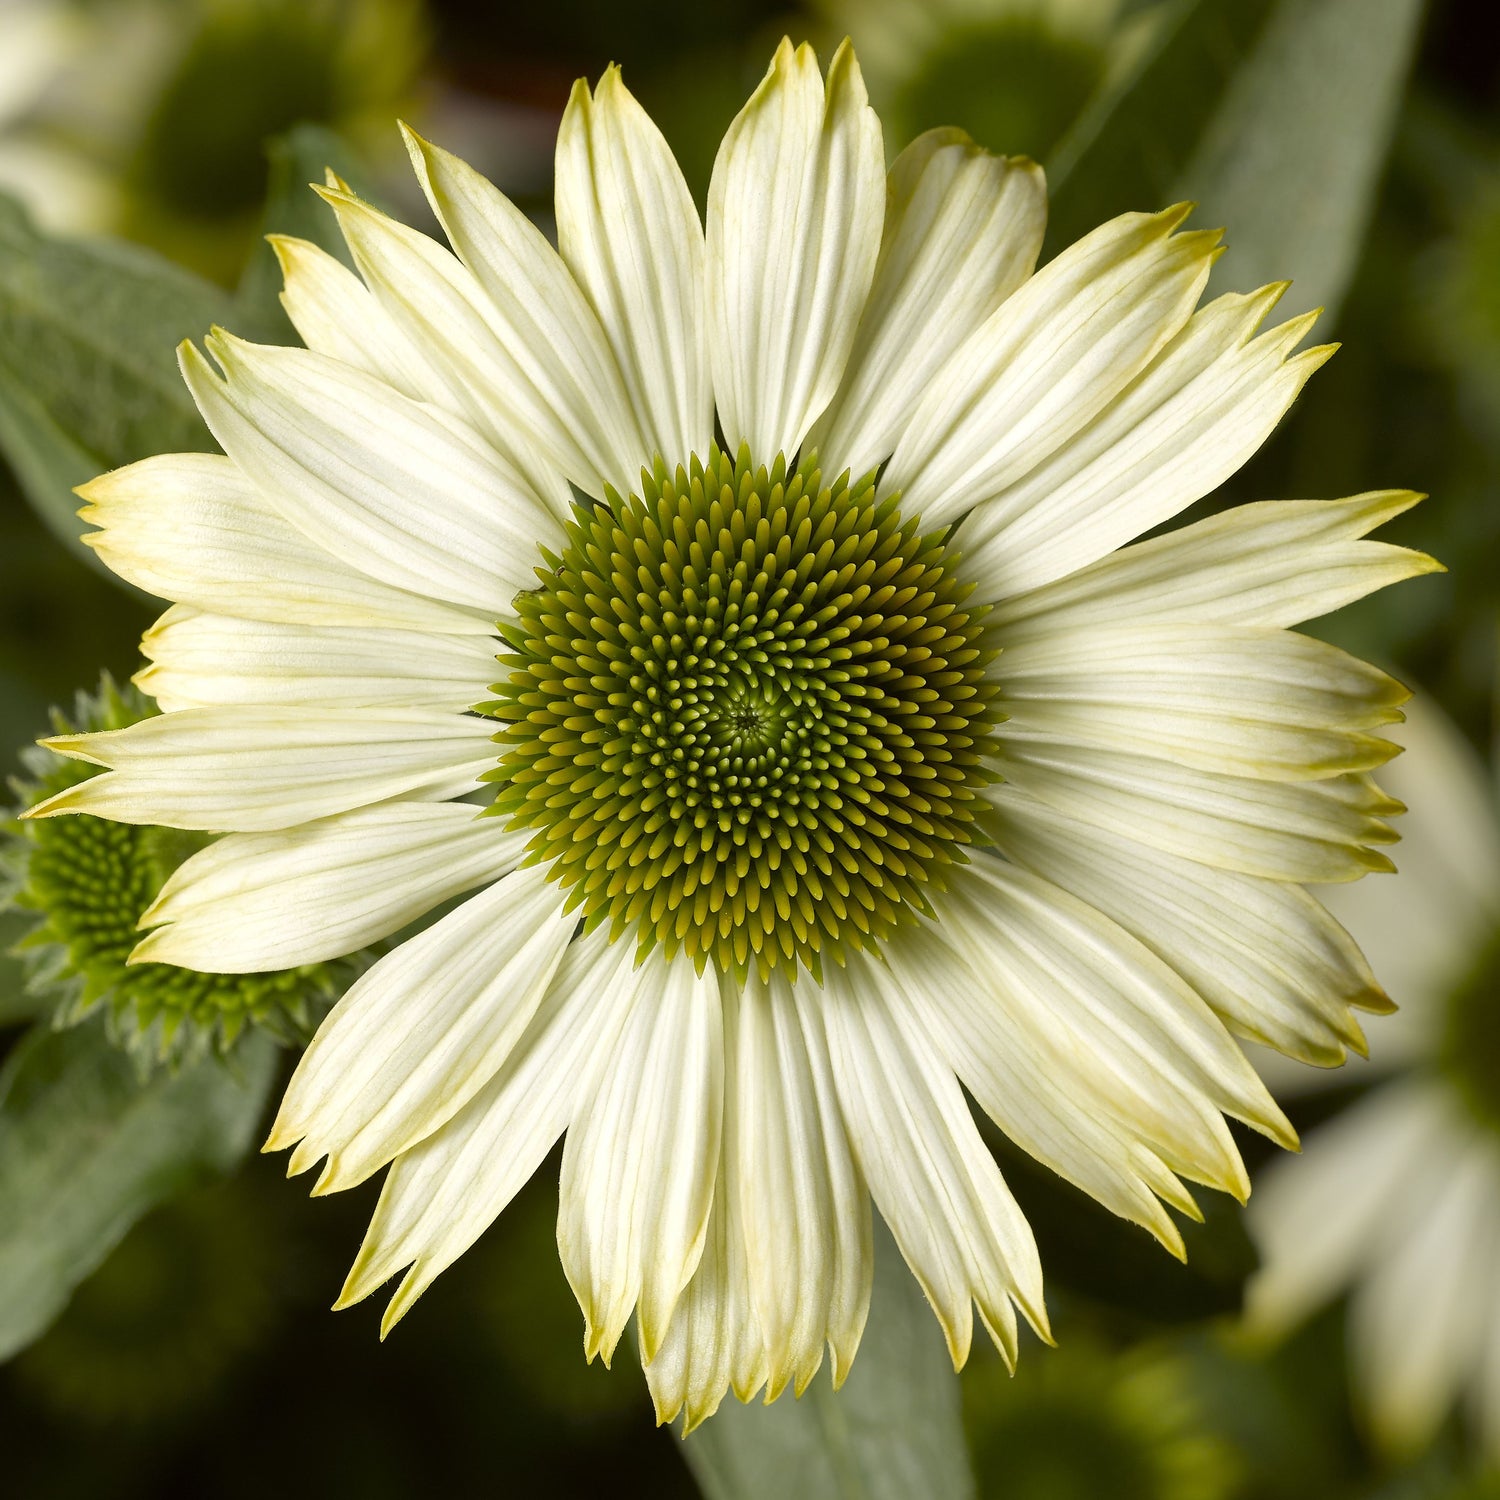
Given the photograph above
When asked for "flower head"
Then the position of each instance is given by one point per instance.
(842, 761)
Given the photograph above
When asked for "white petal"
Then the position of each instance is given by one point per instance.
(437, 304)
(422, 1032)
(713, 1343)
(1270, 564)
(192, 527)
(1423, 930)
(794, 217)
(442, 1194)
(1268, 958)
(1159, 1061)
(1302, 831)
(399, 489)
(931, 1174)
(804, 1203)
(540, 315)
(259, 901)
(1183, 427)
(628, 230)
(1054, 355)
(1318, 1218)
(641, 1158)
(1415, 1330)
(962, 231)
(200, 660)
(247, 771)
(336, 314)
(1259, 703)
(1028, 1079)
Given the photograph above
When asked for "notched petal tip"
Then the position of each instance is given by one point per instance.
(1312, 360)
(413, 1284)
(843, 59)
(1374, 1002)
(1167, 219)
(1280, 1130)
(337, 1176)
(339, 196)
(359, 1283)
(71, 746)
(283, 1134)
(806, 1375)
(424, 154)
(651, 1334)
(594, 1342)
(73, 799)
(142, 952)
(580, 102)
(196, 367)
(286, 247)
(89, 492)
(695, 1416)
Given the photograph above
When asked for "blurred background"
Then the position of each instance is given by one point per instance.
(146, 145)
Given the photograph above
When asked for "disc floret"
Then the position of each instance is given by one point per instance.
(746, 713)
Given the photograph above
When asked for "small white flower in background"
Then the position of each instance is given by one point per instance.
(41, 45)
(1397, 1200)
(737, 933)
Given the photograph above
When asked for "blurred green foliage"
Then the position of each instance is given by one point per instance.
(87, 1146)
(198, 1358)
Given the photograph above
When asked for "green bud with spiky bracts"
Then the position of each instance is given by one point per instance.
(86, 882)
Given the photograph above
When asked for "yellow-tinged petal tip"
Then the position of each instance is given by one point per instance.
(354, 1288)
(69, 800)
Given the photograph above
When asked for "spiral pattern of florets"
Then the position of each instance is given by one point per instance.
(746, 714)
(86, 881)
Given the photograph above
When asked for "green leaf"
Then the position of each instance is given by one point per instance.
(1292, 158)
(298, 159)
(88, 368)
(87, 1147)
(1274, 117)
(894, 1432)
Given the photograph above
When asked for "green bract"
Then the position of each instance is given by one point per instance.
(747, 714)
(87, 881)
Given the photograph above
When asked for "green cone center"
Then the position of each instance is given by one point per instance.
(746, 713)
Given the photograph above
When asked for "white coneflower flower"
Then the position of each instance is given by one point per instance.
(1398, 1198)
(732, 933)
